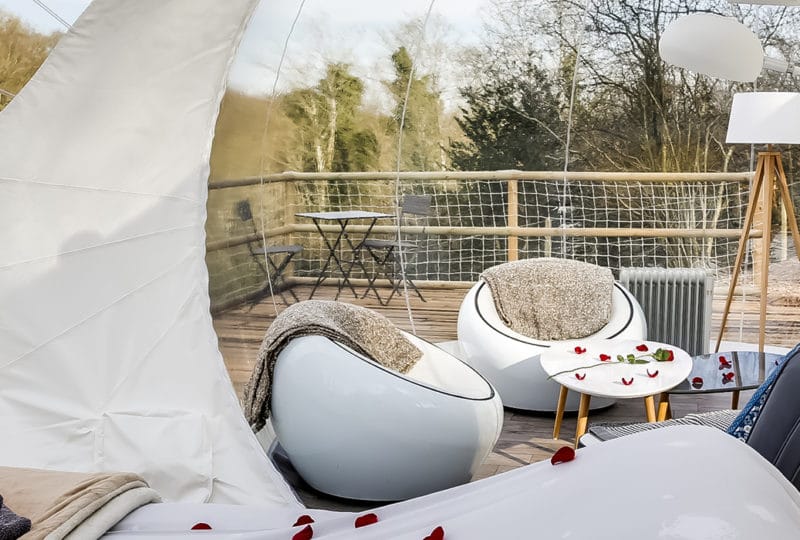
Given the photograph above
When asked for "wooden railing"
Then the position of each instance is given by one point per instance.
(514, 186)
(511, 178)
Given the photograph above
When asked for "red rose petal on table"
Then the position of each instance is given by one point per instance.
(604, 358)
(562, 455)
(580, 377)
(201, 527)
(728, 376)
(697, 382)
(651, 375)
(306, 533)
(627, 382)
(366, 519)
(305, 519)
(580, 350)
(436, 534)
(641, 348)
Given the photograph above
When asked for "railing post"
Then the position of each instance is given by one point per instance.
(290, 208)
(513, 220)
(548, 240)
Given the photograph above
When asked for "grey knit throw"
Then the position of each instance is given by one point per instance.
(361, 329)
(12, 526)
(551, 299)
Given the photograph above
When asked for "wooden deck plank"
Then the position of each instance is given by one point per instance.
(526, 438)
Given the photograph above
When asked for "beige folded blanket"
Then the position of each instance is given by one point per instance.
(361, 329)
(72, 505)
(551, 299)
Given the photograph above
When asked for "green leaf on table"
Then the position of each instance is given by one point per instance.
(663, 355)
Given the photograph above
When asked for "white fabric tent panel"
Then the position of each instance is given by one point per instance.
(108, 358)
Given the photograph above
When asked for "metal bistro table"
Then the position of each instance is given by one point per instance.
(723, 372)
(342, 218)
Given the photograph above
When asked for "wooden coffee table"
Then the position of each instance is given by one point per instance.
(588, 375)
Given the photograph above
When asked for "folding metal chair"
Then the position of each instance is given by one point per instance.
(263, 255)
(385, 253)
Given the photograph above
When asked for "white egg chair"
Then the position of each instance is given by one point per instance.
(510, 360)
(356, 429)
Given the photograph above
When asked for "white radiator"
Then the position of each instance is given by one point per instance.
(676, 304)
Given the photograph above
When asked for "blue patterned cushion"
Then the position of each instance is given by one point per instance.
(743, 424)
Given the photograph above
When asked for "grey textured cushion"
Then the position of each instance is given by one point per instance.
(551, 299)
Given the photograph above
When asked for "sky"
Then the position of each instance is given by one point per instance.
(358, 32)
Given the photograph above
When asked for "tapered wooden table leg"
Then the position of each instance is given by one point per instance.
(583, 417)
(664, 410)
(650, 407)
(562, 402)
(735, 399)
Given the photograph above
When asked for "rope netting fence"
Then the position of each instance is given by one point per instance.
(481, 219)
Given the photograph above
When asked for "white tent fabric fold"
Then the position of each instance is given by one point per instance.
(108, 359)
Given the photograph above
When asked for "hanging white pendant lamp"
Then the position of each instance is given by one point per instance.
(713, 45)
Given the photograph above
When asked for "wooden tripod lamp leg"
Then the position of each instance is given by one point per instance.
(766, 237)
(758, 180)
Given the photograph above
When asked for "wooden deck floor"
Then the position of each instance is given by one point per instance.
(526, 438)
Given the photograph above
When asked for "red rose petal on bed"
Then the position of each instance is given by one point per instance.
(305, 519)
(562, 455)
(627, 382)
(366, 519)
(201, 527)
(580, 350)
(580, 377)
(641, 348)
(436, 534)
(306, 533)
(604, 358)
(651, 375)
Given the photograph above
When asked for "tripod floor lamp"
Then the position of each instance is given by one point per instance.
(763, 118)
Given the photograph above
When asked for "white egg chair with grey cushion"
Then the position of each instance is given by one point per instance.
(356, 429)
(510, 359)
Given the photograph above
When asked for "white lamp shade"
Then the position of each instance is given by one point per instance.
(765, 118)
(713, 45)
